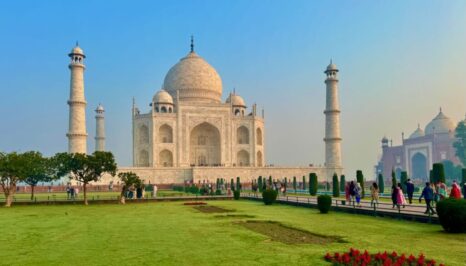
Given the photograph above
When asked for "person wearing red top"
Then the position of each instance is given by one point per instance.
(455, 191)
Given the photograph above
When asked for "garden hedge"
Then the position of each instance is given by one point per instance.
(323, 203)
(269, 196)
(452, 215)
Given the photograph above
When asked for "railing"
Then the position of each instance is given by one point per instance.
(366, 207)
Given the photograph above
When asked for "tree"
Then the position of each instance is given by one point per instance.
(438, 173)
(460, 143)
(360, 180)
(270, 181)
(304, 182)
(86, 168)
(40, 169)
(336, 187)
(128, 180)
(14, 168)
(295, 184)
(404, 180)
(313, 184)
(342, 182)
(238, 184)
(393, 178)
(381, 183)
(232, 184)
(452, 171)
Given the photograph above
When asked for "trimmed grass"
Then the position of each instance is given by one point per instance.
(103, 195)
(170, 233)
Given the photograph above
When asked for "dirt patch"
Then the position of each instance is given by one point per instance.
(211, 209)
(240, 216)
(195, 203)
(288, 235)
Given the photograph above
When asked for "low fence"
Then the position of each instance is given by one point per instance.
(410, 212)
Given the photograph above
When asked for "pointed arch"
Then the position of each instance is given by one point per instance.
(242, 135)
(259, 138)
(143, 135)
(166, 158)
(259, 159)
(205, 148)
(242, 158)
(143, 158)
(165, 134)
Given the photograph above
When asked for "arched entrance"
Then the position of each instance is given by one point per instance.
(166, 158)
(242, 158)
(205, 145)
(419, 166)
(259, 159)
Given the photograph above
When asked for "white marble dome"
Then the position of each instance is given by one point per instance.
(417, 133)
(236, 100)
(332, 66)
(440, 124)
(100, 108)
(77, 50)
(194, 79)
(162, 96)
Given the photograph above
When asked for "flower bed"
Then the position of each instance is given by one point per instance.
(356, 257)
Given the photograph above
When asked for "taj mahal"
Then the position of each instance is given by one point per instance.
(190, 134)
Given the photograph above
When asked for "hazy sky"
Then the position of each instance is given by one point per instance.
(399, 62)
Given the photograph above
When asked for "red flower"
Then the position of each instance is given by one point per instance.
(394, 255)
(328, 256)
(411, 258)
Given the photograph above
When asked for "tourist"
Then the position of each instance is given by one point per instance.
(352, 189)
(76, 192)
(357, 193)
(68, 192)
(442, 191)
(154, 191)
(347, 193)
(394, 195)
(464, 190)
(72, 193)
(428, 195)
(374, 194)
(455, 192)
(400, 197)
(410, 190)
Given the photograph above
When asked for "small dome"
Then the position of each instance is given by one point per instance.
(417, 133)
(100, 108)
(76, 51)
(332, 66)
(384, 140)
(236, 100)
(194, 79)
(440, 124)
(162, 96)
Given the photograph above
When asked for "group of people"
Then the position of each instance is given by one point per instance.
(71, 192)
(433, 193)
(353, 192)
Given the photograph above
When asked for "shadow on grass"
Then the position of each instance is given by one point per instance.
(211, 209)
(239, 216)
(289, 235)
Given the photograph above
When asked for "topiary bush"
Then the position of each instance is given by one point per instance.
(438, 172)
(336, 186)
(452, 215)
(323, 203)
(313, 184)
(269, 196)
(218, 192)
(236, 194)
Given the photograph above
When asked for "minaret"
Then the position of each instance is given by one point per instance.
(99, 129)
(77, 135)
(332, 119)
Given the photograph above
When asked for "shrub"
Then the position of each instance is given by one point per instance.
(313, 184)
(381, 183)
(193, 189)
(452, 215)
(238, 184)
(360, 179)
(323, 203)
(336, 186)
(203, 191)
(295, 184)
(438, 173)
(342, 182)
(218, 192)
(259, 183)
(269, 196)
(236, 194)
(403, 180)
(304, 182)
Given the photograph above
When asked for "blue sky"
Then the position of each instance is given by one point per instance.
(399, 62)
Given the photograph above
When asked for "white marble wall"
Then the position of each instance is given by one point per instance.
(77, 135)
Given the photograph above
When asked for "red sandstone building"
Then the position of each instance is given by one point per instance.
(417, 153)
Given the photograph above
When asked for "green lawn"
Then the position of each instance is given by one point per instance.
(101, 195)
(169, 233)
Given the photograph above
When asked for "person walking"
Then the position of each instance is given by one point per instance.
(374, 194)
(428, 195)
(410, 190)
(400, 197)
(455, 192)
(347, 193)
(357, 193)
(394, 193)
(442, 191)
(352, 189)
